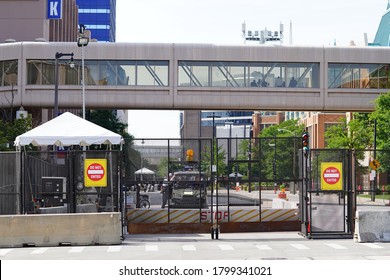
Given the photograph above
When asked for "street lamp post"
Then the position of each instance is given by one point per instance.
(82, 41)
(71, 64)
(214, 229)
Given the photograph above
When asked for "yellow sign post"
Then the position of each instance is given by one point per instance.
(375, 164)
(95, 172)
(331, 176)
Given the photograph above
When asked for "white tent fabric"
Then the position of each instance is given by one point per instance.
(68, 129)
(232, 175)
(144, 171)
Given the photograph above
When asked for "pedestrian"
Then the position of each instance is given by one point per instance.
(278, 82)
(293, 82)
(165, 191)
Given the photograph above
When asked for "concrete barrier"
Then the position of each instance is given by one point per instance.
(372, 226)
(278, 203)
(58, 229)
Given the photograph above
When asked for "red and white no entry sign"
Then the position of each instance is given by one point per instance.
(331, 175)
(95, 172)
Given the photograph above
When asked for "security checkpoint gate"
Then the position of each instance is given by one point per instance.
(327, 197)
(216, 189)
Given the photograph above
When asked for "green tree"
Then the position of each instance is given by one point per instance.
(382, 117)
(355, 134)
(9, 130)
(219, 159)
(278, 150)
(108, 120)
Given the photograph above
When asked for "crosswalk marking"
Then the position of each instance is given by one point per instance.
(3, 252)
(76, 250)
(225, 247)
(263, 247)
(300, 246)
(188, 248)
(378, 258)
(335, 246)
(39, 251)
(151, 248)
(371, 245)
(112, 249)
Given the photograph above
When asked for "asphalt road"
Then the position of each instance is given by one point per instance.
(229, 246)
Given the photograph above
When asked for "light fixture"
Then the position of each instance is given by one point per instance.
(82, 41)
(72, 64)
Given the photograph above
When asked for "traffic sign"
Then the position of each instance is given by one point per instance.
(95, 172)
(331, 176)
(375, 164)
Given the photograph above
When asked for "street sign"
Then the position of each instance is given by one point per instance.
(331, 178)
(372, 175)
(375, 164)
(95, 172)
(54, 9)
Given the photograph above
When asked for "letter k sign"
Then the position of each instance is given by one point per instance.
(54, 9)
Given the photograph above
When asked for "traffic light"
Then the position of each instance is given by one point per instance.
(190, 155)
(305, 142)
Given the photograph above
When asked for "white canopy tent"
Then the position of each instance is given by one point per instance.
(144, 171)
(66, 130)
(234, 174)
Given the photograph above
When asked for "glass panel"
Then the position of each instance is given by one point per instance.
(277, 75)
(241, 74)
(1, 73)
(72, 75)
(126, 73)
(257, 72)
(346, 77)
(384, 76)
(334, 75)
(152, 73)
(238, 75)
(33, 72)
(358, 76)
(370, 72)
(47, 73)
(107, 73)
(91, 72)
(9, 73)
(193, 73)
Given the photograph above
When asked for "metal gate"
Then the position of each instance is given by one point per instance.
(220, 184)
(256, 182)
(327, 195)
(71, 182)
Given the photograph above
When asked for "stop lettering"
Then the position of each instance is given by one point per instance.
(331, 175)
(95, 172)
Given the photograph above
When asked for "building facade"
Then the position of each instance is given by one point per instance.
(99, 16)
(30, 21)
(382, 37)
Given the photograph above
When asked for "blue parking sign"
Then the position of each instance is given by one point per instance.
(54, 9)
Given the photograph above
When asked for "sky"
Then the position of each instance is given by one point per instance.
(313, 22)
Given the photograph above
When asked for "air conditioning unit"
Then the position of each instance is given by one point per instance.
(53, 191)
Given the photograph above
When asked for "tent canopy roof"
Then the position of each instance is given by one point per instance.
(144, 171)
(66, 130)
(234, 174)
